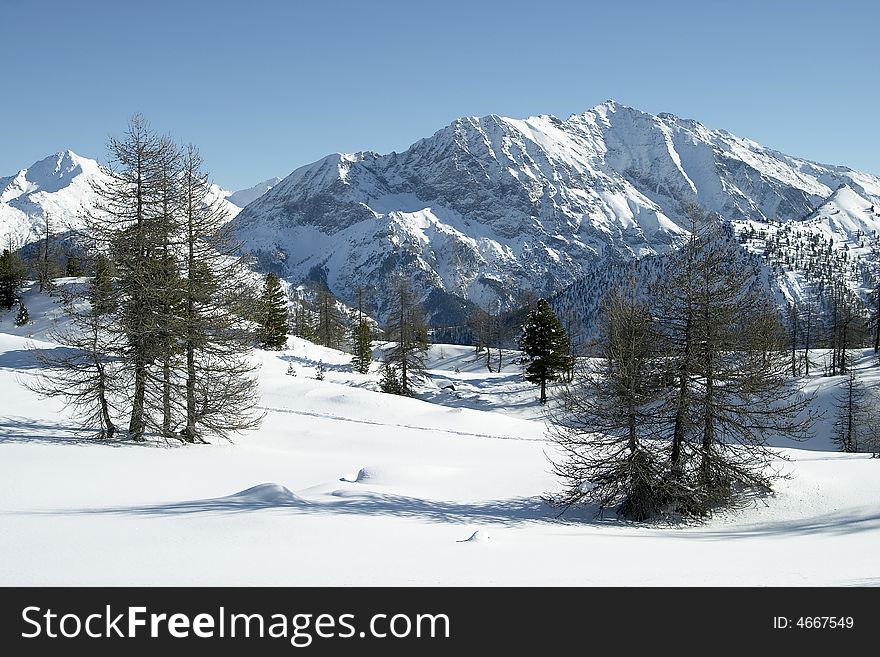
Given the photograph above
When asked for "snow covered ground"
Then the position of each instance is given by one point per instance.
(344, 485)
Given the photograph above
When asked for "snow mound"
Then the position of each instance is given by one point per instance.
(268, 494)
(400, 475)
(478, 536)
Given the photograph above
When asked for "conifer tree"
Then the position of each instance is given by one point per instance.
(331, 324)
(171, 328)
(389, 381)
(72, 267)
(849, 404)
(545, 347)
(273, 314)
(215, 307)
(124, 224)
(480, 324)
(875, 292)
(305, 322)
(166, 293)
(44, 267)
(12, 273)
(409, 335)
(731, 388)
(606, 421)
(362, 338)
(22, 317)
(85, 373)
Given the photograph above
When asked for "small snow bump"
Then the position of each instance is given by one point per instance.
(269, 493)
(478, 536)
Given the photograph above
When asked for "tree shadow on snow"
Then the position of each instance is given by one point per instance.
(28, 430)
(508, 512)
(23, 359)
(832, 524)
(31, 431)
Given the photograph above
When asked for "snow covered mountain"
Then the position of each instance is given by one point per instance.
(798, 261)
(61, 185)
(489, 206)
(58, 185)
(835, 243)
(244, 196)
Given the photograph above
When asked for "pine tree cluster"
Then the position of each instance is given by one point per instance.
(161, 336)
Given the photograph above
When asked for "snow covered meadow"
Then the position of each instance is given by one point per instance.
(344, 485)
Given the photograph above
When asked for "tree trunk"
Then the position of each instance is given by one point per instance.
(708, 432)
(403, 346)
(877, 323)
(136, 424)
(109, 428)
(190, 430)
(190, 434)
(678, 429)
(809, 328)
(166, 398)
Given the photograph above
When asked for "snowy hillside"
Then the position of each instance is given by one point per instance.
(833, 243)
(488, 206)
(344, 485)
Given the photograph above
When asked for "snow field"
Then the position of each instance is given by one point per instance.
(344, 485)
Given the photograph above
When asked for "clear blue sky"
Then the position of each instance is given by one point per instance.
(263, 87)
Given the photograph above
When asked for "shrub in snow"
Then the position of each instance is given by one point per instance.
(390, 381)
(22, 317)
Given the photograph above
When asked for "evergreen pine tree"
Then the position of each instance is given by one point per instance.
(22, 317)
(44, 267)
(362, 339)
(273, 314)
(12, 273)
(545, 347)
(389, 381)
(72, 268)
(363, 347)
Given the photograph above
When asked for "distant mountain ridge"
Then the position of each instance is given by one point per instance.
(61, 185)
(487, 207)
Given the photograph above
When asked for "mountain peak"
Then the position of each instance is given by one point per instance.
(244, 196)
(487, 207)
